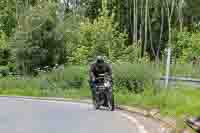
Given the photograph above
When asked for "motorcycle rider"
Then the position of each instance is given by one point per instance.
(97, 68)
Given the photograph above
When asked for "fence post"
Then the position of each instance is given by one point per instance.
(168, 51)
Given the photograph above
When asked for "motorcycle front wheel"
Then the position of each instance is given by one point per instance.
(111, 104)
(96, 103)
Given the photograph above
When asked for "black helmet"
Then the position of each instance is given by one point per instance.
(99, 60)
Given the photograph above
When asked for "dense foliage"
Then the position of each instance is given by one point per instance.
(187, 47)
(35, 34)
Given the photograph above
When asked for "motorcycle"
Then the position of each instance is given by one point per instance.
(104, 95)
(193, 123)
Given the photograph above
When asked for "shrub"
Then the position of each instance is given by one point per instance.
(4, 50)
(187, 47)
(4, 71)
(70, 77)
(134, 76)
(19, 83)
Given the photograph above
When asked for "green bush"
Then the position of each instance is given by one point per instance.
(4, 50)
(19, 83)
(186, 48)
(134, 76)
(4, 71)
(70, 77)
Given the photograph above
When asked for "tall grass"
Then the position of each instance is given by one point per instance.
(183, 70)
(70, 77)
(178, 102)
(76, 77)
(19, 83)
(132, 76)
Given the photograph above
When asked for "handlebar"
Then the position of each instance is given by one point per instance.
(104, 77)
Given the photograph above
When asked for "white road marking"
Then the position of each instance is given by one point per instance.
(57, 102)
(165, 130)
(50, 101)
(135, 121)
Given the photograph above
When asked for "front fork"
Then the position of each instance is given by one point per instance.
(109, 96)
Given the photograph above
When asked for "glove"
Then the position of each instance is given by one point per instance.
(93, 79)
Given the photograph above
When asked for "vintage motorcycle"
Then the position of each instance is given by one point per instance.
(193, 123)
(104, 94)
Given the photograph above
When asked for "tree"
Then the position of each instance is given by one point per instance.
(98, 38)
(40, 45)
(7, 16)
(7, 27)
(93, 8)
(4, 50)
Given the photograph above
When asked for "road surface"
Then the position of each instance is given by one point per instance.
(18, 115)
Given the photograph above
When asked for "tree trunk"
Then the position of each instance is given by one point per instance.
(180, 12)
(146, 25)
(161, 33)
(170, 14)
(131, 20)
(136, 21)
(150, 35)
(141, 25)
(134, 16)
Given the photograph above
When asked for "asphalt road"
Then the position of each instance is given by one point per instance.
(18, 115)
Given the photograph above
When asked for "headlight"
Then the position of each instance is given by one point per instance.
(107, 84)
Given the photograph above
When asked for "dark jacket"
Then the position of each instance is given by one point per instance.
(96, 69)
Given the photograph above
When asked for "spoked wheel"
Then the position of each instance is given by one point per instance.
(96, 106)
(111, 104)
